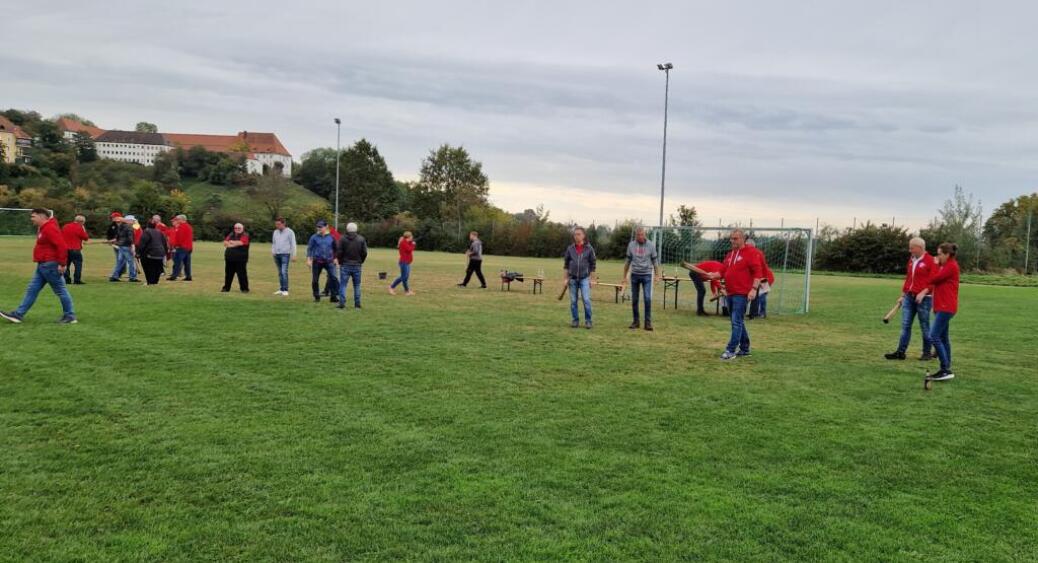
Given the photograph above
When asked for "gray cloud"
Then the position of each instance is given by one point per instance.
(878, 108)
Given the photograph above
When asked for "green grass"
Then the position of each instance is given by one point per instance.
(236, 197)
(176, 423)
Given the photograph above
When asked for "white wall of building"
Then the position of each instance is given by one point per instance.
(130, 152)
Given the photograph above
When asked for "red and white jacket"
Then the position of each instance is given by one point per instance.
(946, 288)
(50, 244)
(918, 274)
(741, 267)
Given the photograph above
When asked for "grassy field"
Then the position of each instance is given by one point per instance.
(176, 423)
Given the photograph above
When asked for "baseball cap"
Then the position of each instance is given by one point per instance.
(321, 223)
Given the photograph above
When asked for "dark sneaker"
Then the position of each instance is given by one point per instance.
(701, 314)
(728, 355)
(482, 287)
(635, 325)
(12, 317)
(743, 354)
(942, 375)
(340, 306)
(171, 278)
(225, 290)
(317, 298)
(244, 291)
(648, 326)
(574, 324)
(114, 280)
(68, 320)
(335, 300)
(78, 283)
(187, 279)
(925, 357)
(895, 356)
(462, 285)
(587, 325)
(135, 281)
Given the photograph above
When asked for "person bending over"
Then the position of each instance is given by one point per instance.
(700, 273)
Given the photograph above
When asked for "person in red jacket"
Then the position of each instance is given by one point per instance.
(167, 231)
(915, 299)
(75, 236)
(183, 243)
(699, 273)
(945, 285)
(405, 247)
(759, 306)
(51, 256)
(742, 272)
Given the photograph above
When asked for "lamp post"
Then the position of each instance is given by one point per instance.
(665, 67)
(338, 155)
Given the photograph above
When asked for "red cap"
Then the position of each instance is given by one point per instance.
(116, 214)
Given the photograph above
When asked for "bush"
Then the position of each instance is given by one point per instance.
(872, 249)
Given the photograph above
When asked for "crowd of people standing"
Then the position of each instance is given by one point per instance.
(742, 280)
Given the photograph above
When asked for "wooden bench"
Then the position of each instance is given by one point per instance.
(620, 297)
(538, 285)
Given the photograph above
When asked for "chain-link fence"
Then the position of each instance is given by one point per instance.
(788, 252)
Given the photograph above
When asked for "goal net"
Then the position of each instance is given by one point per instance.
(787, 250)
(14, 221)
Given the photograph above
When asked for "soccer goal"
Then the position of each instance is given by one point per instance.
(787, 250)
(14, 221)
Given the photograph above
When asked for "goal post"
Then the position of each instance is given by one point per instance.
(15, 221)
(788, 251)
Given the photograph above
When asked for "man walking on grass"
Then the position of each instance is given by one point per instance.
(183, 243)
(125, 251)
(350, 254)
(75, 236)
(742, 273)
(284, 250)
(579, 264)
(915, 299)
(320, 257)
(642, 264)
(51, 257)
(475, 255)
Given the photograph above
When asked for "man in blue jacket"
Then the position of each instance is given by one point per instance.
(320, 256)
(579, 265)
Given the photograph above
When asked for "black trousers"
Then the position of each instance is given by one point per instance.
(152, 269)
(232, 269)
(475, 267)
(75, 258)
(700, 291)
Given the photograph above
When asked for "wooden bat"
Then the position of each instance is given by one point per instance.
(565, 288)
(890, 314)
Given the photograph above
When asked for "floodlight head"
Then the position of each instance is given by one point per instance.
(337, 122)
(659, 67)
(667, 66)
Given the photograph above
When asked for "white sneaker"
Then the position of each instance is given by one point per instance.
(285, 293)
(278, 292)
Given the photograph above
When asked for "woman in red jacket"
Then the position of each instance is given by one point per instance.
(406, 249)
(945, 284)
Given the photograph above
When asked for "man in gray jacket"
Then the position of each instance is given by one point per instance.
(284, 250)
(579, 263)
(475, 255)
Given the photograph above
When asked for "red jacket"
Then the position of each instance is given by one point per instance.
(741, 267)
(137, 234)
(946, 288)
(918, 278)
(75, 235)
(712, 266)
(406, 249)
(184, 236)
(50, 244)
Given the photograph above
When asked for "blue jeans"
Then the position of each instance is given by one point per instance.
(347, 273)
(909, 310)
(315, 279)
(584, 287)
(281, 261)
(124, 260)
(181, 259)
(939, 338)
(46, 273)
(405, 276)
(740, 338)
(644, 282)
(759, 307)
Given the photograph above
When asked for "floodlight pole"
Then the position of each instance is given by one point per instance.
(1027, 245)
(665, 67)
(338, 155)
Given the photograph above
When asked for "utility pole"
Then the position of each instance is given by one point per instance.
(1027, 245)
(338, 157)
(666, 68)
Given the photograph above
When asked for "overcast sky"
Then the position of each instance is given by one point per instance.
(778, 110)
